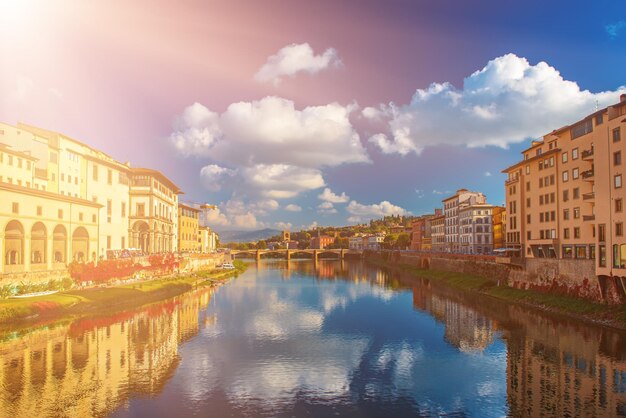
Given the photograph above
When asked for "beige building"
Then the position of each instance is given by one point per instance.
(438, 233)
(207, 240)
(43, 231)
(475, 228)
(188, 228)
(451, 206)
(153, 211)
(565, 197)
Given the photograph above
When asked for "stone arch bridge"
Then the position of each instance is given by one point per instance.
(288, 254)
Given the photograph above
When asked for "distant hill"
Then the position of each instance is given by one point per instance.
(248, 236)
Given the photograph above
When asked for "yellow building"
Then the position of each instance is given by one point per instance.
(565, 198)
(188, 225)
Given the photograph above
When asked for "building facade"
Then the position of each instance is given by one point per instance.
(462, 197)
(321, 242)
(498, 221)
(207, 240)
(476, 229)
(188, 228)
(153, 211)
(438, 232)
(565, 197)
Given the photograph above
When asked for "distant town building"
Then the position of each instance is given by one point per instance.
(375, 242)
(438, 232)
(421, 239)
(321, 242)
(207, 240)
(462, 197)
(499, 227)
(475, 229)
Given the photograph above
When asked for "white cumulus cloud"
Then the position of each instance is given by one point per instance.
(293, 208)
(361, 212)
(293, 59)
(281, 181)
(328, 196)
(326, 208)
(213, 176)
(270, 131)
(507, 101)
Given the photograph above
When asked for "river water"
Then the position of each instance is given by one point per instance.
(327, 339)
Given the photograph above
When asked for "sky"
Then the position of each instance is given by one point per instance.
(292, 113)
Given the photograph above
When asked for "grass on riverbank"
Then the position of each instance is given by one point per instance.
(596, 312)
(110, 298)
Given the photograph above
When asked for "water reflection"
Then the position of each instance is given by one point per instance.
(91, 366)
(330, 338)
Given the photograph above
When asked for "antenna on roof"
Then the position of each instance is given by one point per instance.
(597, 105)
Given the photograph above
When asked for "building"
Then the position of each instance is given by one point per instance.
(475, 228)
(321, 242)
(69, 167)
(356, 242)
(438, 232)
(207, 240)
(421, 231)
(375, 242)
(451, 212)
(153, 211)
(188, 226)
(44, 231)
(565, 197)
(498, 221)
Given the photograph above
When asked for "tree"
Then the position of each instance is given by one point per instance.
(403, 241)
(261, 245)
(389, 241)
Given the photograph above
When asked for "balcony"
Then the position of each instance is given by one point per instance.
(587, 155)
(587, 175)
(589, 196)
(589, 218)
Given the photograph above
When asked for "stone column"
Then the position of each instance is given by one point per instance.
(151, 244)
(49, 254)
(27, 255)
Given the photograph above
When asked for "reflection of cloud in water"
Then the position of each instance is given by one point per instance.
(321, 367)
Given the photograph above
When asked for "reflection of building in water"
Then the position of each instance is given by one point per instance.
(545, 380)
(464, 327)
(90, 367)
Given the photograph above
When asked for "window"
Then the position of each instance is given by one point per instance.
(19, 162)
(602, 232)
(581, 251)
(110, 177)
(141, 208)
(577, 232)
(617, 158)
(15, 208)
(567, 251)
(123, 242)
(527, 186)
(93, 218)
(565, 176)
(564, 157)
(617, 181)
(39, 210)
(527, 169)
(581, 129)
(618, 205)
(619, 256)
(60, 213)
(599, 119)
(616, 135)
(575, 154)
(575, 193)
(528, 219)
(541, 199)
(565, 214)
(95, 172)
(576, 213)
(602, 256)
(552, 197)
(619, 229)
(565, 195)
(123, 211)
(80, 216)
(575, 174)
(566, 233)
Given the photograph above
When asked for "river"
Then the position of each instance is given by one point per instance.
(327, 339)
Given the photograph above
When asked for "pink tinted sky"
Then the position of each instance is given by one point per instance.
(116, 74)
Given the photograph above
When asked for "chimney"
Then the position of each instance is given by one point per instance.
(622, 98)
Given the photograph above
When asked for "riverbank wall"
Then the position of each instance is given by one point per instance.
(188, 263)
(570, 277)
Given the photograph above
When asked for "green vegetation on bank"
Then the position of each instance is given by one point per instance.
(93, 300)
(596, 312)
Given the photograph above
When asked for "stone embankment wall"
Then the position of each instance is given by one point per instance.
(570, 277)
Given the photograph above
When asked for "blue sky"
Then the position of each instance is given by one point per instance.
(261, 107)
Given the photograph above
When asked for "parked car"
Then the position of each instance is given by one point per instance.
(228, 266)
